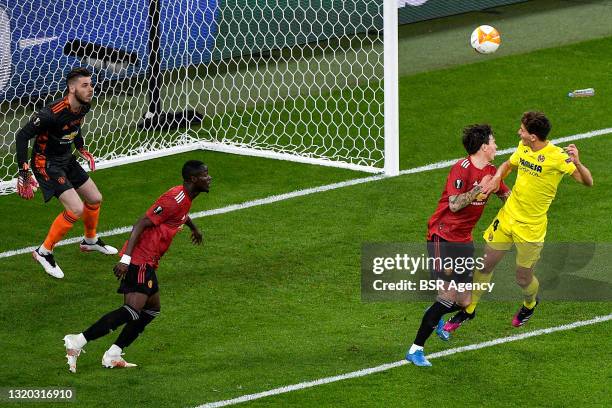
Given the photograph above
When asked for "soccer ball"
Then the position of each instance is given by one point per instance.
(485, 39)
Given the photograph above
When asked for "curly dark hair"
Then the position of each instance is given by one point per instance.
(537, 124)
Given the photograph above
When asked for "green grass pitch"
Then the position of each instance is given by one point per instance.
(272, 298)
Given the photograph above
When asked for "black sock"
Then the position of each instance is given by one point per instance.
(431, 318)
(110, 321)
(133, 329)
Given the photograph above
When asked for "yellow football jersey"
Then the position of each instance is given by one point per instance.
(539, 174)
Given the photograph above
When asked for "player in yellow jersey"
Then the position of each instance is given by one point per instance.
(522, 220)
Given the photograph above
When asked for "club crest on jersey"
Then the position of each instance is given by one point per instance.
(158, 210)
(541, 158)
(458, 184)
(36, 120)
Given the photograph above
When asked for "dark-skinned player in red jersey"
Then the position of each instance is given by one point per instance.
(56, 128)
(150, 238)
(450, 228)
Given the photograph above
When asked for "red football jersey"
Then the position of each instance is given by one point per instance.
(169, 213)
(458, 226)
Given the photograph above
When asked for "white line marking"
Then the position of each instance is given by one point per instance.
(384, 367)
(308, 191)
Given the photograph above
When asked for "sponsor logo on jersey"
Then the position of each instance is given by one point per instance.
(158, 210)
(458, 184)
(70, 136)
(530, 165)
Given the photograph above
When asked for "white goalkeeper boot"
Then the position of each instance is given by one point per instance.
(99, 246)
(47, 261)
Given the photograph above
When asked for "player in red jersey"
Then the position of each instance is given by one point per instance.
(450, 228)
(150, 238)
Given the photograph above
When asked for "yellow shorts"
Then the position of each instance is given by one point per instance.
(505, 231)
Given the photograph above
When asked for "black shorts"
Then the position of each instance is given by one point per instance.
(55, 178)
(139, 278)
(459, 255)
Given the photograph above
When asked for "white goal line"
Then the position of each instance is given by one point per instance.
(384, 367)
(308, 191)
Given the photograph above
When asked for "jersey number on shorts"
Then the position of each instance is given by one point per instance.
(495, 224)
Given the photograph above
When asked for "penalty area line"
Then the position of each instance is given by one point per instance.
(308, 191)
(385, 367)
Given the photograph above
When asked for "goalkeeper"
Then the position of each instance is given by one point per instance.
(55, 128)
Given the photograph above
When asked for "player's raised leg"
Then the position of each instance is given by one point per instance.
(59, 228)
(91, 213)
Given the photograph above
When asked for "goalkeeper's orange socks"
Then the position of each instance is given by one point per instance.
(479, 277)
(530, 293)
(91, 213)
(60, 227)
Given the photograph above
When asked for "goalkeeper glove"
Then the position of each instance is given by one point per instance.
(89, 158)
(26, 184)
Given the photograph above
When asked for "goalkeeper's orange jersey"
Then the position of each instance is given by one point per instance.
(539, 174)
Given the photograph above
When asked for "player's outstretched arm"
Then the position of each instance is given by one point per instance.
(459, 201)
(582, 174)
(502, 172)
(122, 266)
(196, 235)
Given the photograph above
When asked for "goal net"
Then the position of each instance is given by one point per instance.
(298, 80)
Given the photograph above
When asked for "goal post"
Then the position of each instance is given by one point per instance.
(311, 81)
(391, 88)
